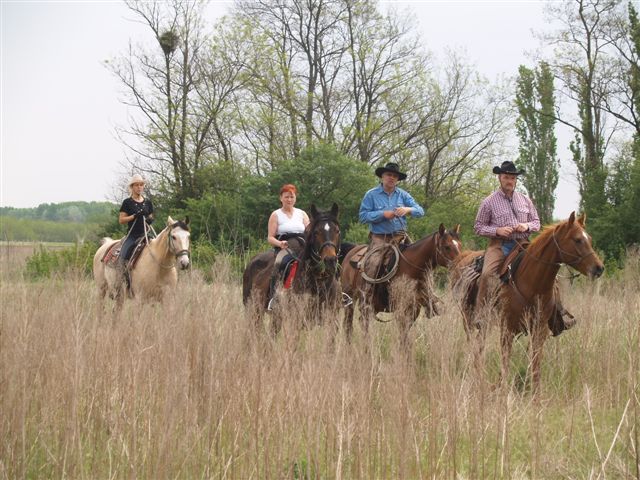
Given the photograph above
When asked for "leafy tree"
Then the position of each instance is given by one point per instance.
(535, 127)
(579, 62)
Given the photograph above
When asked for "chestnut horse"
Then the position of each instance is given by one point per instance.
(415, 262)
(316, 272)
(155, 271)
(527, 302)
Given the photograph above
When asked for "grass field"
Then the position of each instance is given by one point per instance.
(189, 389)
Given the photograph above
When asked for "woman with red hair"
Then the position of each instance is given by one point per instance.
(287, 221)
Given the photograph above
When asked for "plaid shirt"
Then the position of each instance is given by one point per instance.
(498, 210)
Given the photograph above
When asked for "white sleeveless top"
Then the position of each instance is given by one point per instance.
(295, 224)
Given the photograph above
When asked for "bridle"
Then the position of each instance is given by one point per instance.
(171, 247)
(315, 253)
(563, 253)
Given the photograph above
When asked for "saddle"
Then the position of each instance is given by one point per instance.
(377, 264)
(510, 264)
(112, 255)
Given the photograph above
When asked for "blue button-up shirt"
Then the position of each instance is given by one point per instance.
(376, 201)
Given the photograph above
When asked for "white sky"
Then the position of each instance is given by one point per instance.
(60, 104)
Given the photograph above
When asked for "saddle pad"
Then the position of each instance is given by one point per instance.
(110, 257)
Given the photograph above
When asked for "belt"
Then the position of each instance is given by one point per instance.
(389, 235)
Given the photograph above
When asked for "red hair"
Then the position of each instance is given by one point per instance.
(289, 187)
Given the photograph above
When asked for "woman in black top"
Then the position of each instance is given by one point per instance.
(134, 211)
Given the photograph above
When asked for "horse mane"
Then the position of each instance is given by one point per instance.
(181, 224)
(542, 240)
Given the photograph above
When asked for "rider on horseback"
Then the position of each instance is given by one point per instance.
(137, 212)
(285, 224)
(506, 217)
(386, 208)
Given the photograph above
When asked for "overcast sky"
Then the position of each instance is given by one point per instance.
(60, 104)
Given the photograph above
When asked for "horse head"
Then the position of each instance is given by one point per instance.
(574, 247)
(323, 238)
(178, 241)
(448, 245)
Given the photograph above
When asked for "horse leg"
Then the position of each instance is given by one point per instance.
(348, 322)
(538, 337)
(506, 344)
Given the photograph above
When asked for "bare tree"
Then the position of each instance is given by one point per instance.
(170, 138)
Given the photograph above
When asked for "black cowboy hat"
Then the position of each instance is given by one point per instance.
(393, 168)
(507, 167)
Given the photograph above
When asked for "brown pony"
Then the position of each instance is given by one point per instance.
(415, 263)
(316, 272)
(527, 301)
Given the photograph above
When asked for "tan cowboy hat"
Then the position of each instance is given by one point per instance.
(136, 178)
(393, 168)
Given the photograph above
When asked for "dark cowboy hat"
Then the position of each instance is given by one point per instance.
(393, 168)
(507, 167)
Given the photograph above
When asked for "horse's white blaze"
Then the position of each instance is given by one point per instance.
(181, 243)
(584, 234)
(457, 245)
(326, 227)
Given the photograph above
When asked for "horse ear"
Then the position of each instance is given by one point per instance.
(314, 210)
(582, 219)
(572, 218)
(457, 229)
(170, 221)
(186, 220)
(441, 229)
(334, 210)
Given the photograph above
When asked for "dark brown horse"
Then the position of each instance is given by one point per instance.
(316, 272)
(415, 263)
(527, 302)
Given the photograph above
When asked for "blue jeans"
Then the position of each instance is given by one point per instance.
(507, 246)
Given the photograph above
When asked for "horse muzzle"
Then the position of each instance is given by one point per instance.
(183, 260)
(596, 271)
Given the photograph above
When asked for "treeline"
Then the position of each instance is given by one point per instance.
(55, 222)
(319, 93)
(78, 212)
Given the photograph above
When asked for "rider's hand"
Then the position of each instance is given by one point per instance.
(522, 227)
(504, 231)
(149, 219)
(389, 214)
(284, 244)
(402, 211)
(138, 214)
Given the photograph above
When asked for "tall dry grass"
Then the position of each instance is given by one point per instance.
(189, 389)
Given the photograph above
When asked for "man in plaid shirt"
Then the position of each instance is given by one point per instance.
(504, 217)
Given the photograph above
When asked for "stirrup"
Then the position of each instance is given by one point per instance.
(272, 303)
(346, 300)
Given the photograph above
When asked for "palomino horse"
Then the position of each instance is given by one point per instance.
(527, 302)
(155, 271)
(316, 272)
(415, 263)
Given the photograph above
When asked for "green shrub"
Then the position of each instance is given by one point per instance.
(45, 262)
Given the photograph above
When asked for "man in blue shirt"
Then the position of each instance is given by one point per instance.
(385, 207)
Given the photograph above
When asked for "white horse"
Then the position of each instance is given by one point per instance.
(155, 272)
